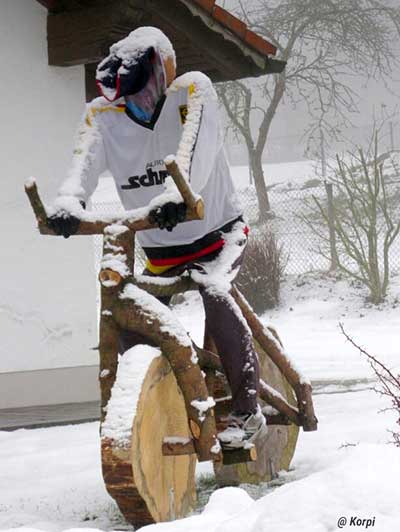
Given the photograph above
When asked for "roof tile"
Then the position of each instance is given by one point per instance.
(208, 5)
(259, 44)
(237, 27)
(230, 21)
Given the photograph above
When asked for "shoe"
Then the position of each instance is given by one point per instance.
(242, 430)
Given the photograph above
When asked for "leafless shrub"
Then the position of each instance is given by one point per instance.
(389, 383)
(325, 44)
(364, 221)
(260, 276)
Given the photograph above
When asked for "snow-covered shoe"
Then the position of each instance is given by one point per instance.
(242, 429)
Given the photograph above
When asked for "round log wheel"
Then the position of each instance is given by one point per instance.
(275, 450)
(147, 486)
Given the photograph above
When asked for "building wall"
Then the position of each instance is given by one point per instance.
(49, 387)
(47, 284)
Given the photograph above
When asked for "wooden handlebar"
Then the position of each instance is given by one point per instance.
(195, 209)
(193, 204)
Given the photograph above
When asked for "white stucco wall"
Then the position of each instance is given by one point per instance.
(47, 286)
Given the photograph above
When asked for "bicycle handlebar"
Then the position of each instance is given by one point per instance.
(136, 220)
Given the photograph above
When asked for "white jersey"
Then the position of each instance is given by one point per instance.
(185, 124)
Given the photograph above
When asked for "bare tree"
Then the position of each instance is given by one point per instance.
(325, 44)
(364, 217)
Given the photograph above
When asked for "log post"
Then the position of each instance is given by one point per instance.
(208, 360)
(138, 311)
(117, 262)
(238, 456)
(120, 483)
(276, 353)
(277, 401)
(277, 419)
(266, 336)
(194, 204)
(168, 287)
(35, 201)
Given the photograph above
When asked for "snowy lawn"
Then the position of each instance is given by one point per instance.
(308, 321)
(50, 479)
(312, 307)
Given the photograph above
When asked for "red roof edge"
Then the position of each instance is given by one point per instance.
(237, 27)
(208, 5)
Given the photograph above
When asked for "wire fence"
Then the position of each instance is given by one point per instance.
(305, 236)
(293, 209)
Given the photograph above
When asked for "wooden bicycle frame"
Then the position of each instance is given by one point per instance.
(117, 313)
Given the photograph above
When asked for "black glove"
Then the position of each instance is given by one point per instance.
(169, 215)
(63, 223)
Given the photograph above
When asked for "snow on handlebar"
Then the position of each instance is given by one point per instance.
(136, 220)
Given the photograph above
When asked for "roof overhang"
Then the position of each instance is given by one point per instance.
(205, 36)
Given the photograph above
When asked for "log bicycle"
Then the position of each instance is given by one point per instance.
(161, 413)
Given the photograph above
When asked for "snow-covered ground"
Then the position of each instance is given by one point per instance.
(288, 174)
(50, 479)
(312, 307)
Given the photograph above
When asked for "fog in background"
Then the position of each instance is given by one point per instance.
(288, 142)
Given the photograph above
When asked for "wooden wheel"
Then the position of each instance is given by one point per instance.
(275, 450)
(147, 486)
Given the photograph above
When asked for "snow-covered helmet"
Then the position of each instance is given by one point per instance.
(128, 67)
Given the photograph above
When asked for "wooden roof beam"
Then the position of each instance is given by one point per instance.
(226, 49)
(84, 36)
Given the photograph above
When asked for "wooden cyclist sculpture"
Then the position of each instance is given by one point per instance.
(165, 402)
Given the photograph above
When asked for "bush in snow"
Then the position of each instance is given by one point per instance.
(362, 223)
(260, 276)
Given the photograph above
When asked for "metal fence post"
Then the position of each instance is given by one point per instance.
(331, 224)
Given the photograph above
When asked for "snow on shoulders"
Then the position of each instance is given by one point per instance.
(98, 103)
(121, 408)
(202, 83)
(200, 93)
